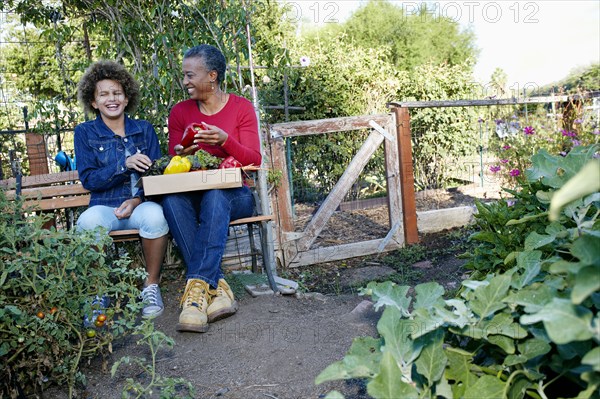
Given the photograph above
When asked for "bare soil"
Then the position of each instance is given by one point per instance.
(275, 346)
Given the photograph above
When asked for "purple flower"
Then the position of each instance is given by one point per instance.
(562, 154)
(510, 202)
(576, 143)
(506, 147)
(495, 168)
(480, 119)
(515, 172)
(504, 160)
(568, 133)
(596, 131)
(577, 121)
(528, 130)
(499, 121)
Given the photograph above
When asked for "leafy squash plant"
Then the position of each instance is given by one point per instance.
(531, 330)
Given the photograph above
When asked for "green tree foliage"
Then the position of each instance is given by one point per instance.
(413, 36)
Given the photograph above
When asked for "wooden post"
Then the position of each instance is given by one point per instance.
(411, 233)
(36, 153)
(283, 202)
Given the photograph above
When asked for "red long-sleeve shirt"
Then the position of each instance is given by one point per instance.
(237, 119)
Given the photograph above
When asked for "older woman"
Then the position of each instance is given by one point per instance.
(199, 221)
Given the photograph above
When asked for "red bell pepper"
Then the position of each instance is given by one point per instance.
(189, 133)
(230, 162)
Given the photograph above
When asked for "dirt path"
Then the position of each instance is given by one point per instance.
(274, 347)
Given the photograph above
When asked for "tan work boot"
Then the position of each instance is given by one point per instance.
(194, 303)
(223, 303)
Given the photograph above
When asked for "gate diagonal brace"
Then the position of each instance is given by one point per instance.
(381, 130)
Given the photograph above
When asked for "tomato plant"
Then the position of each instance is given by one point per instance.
(34, 341)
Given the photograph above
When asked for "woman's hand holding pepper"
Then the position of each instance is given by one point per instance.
(127, 207)
(211, 134)
(139, 162)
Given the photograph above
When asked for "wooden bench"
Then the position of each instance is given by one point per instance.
(63, 191)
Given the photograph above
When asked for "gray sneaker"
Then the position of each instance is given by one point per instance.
(153, 304)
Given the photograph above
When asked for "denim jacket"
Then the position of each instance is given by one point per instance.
(101, 158)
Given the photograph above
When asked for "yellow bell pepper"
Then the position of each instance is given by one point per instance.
(178, 165)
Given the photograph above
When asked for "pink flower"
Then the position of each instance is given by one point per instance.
(568, 133)
(504, 160)
(506, 147)
(495, 168)
(528, 130)
(515, 172)
(576, 143)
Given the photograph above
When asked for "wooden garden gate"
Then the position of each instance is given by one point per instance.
(393, 131)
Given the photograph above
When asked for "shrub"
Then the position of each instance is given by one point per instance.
(531, 330)
(48, 282)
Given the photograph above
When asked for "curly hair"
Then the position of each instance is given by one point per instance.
(102, 70)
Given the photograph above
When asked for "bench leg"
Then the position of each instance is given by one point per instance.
(267, 254)
(253, 249)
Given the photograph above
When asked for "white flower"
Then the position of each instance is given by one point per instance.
(266, 79)
(304, 61)
(175, 14)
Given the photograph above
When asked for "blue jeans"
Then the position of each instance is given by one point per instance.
(199, 223)
(147, 217)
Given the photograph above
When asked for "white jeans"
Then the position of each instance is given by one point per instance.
(147, 217)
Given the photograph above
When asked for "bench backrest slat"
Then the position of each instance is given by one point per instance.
(41, 180)
(50, 204)
(48, 192)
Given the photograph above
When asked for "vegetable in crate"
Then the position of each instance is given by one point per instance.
(202, 160)
(230, 162)
(178, 165)
(158, 166)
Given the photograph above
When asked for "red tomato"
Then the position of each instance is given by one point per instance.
(53, 310)
(101, 318)
(41, 315)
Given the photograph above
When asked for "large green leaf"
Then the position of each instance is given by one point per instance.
(563, 321)
(460, 316)
(432, 361)
(486, 387)
(587, 281)
(529, 265)
(507, 344)
(388, 383)
(533, 297)
(503, 324)
(488, 299)
(555, 170)
(428, 295)
(535, 240)
(587, 249)
(534, 347)
(361, 361)
(396, 333)
(390, 294)
(460, 369)
(592, 358)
